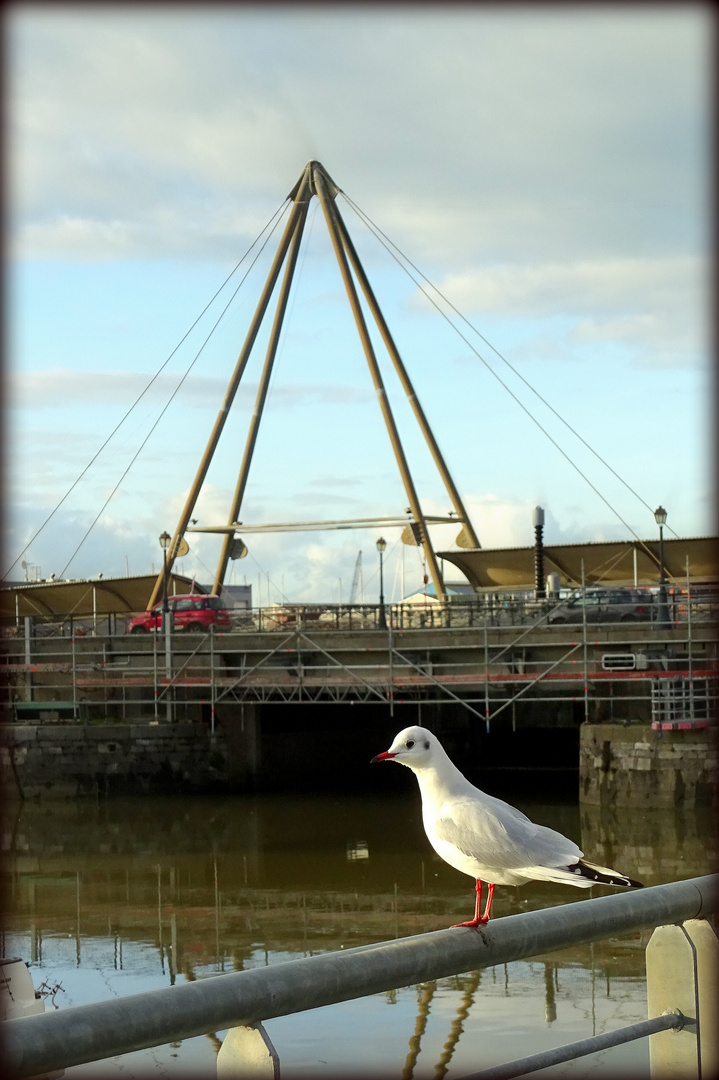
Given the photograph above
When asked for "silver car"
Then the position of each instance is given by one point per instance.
(604, 606)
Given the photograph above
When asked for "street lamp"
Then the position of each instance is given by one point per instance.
(660, 516)
(540, 590)
(381, 545)
(165, 540)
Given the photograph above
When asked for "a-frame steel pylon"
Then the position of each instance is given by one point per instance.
(315, 181)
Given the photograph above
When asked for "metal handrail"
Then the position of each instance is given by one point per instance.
(582, 1048)
(44, 1043)
(494, 610)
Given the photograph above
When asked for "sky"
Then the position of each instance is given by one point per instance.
(528, 188)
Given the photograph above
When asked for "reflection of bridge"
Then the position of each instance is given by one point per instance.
(209, 935)
(678, 995)
(126, 866)
(190, 889)
(192, 929)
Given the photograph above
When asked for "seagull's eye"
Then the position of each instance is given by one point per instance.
(409, 744)
(426, 746)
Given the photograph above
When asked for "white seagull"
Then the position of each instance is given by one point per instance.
(483, 836)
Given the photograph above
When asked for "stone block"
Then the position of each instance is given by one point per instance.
(17, 734)
(61, 789)
(61, 733)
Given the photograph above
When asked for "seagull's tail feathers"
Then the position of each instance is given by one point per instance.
(581, 873)
(603, 875)
(565, 875)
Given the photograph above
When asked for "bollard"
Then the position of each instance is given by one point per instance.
(247, 1051)
(683, 973)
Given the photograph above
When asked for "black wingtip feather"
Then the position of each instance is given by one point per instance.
(593, 874)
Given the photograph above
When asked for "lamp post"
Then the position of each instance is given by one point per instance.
(381, 545)
(660, 516)
(540, 591)
(165, 539)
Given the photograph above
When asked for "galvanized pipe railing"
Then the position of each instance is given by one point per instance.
(494, 610)
(583, 1048)
(44, 1043)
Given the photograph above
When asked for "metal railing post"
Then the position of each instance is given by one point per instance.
(155, 685)
(74, 679)
(683, 973)
(690, 644)
(486, 677)
(585, 651)
(212, 680)
(390, 650)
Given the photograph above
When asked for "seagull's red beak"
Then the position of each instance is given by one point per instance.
(383, 757)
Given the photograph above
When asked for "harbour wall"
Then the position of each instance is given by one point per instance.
(635, 766)
(620, 765)
(75, 760)
(244, 751)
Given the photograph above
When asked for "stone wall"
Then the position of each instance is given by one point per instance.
(632, 765)
(67, 760)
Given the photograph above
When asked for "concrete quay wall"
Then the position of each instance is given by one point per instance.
(635, 766)
(620, 765)
(68, 760)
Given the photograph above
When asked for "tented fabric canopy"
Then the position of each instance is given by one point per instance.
(99, 596)
(610, 563)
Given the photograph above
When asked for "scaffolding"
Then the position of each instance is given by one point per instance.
(488, 656)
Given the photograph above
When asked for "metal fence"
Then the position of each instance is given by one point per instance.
(58, 1040)
(699, 604)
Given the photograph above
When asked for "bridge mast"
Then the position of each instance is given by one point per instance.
(316, 181)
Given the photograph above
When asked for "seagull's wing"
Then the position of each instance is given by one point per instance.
(496, 834)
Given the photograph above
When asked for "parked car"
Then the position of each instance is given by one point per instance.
(192, 612)
(603, 605)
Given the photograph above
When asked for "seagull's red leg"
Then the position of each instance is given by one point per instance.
(480, 920)
(488, 908)
(477, 907)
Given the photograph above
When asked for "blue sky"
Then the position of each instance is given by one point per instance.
(547, 169)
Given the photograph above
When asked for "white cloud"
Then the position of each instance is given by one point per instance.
(655, 307)
(58, 388)
(575, 288)
(547, 167)
(134, 129)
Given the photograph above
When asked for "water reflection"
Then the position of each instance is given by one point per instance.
(467, 1000)
(656, 845)
(425, 1000)
(119, 896)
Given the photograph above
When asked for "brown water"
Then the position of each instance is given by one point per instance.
(117, 897)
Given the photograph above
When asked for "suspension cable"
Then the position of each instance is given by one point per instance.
(177, 388)
(136, 402)
(389, 245)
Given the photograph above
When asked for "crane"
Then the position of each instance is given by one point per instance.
(357, 581)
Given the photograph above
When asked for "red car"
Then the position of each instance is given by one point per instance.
(193, 612)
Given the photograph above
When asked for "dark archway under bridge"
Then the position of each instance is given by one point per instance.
(329, 748)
